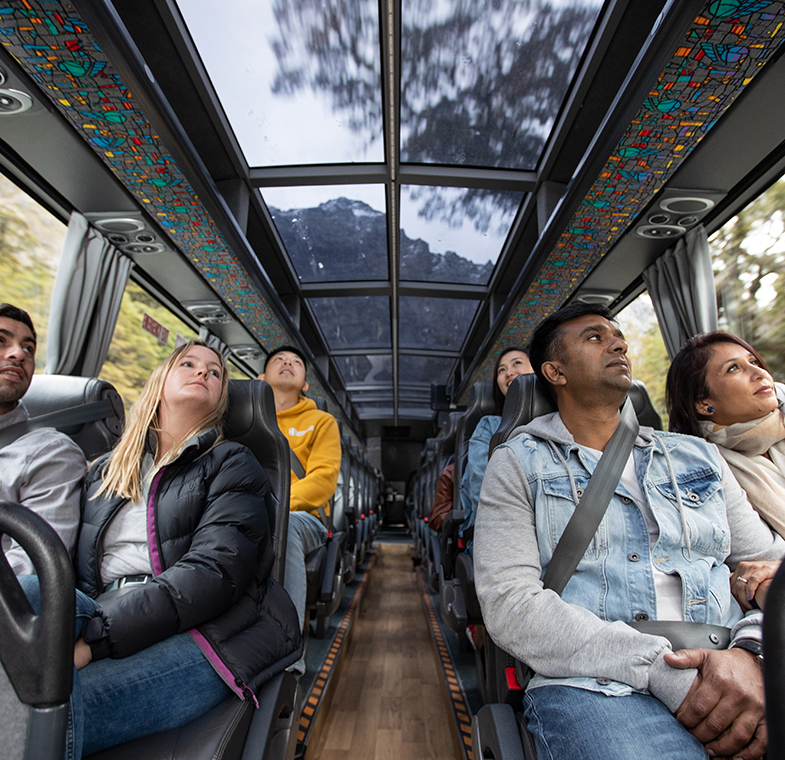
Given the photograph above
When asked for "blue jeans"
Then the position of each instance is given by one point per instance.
(113, 701)
(305, 534)
(576, 724)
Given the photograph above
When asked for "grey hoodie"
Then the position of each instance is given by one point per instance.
(42, 470)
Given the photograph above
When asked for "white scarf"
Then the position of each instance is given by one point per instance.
(744, 446)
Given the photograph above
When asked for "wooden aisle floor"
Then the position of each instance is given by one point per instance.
(388, 701)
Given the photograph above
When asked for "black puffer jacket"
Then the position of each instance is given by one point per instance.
(211, 553)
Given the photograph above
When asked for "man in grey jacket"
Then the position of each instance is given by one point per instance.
(675, 526)
(42, 469)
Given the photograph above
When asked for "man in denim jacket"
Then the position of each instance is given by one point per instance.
(675, 526)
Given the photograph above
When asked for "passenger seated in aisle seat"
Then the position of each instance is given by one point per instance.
(442, 498)
(510, 363)
(315, 441)
(173, 614)
(676, 525)
(40, 469)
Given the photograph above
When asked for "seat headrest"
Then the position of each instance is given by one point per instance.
(447, 447)
(250, 420)
(53, 393)
(644, 409)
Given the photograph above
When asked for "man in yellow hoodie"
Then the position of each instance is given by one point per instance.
(315, 441)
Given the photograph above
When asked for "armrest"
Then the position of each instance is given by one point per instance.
(330, 564)
(449, 541)
(495, 734)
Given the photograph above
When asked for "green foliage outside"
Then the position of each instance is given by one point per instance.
(30, 242)
(646, 350)
(749, 260)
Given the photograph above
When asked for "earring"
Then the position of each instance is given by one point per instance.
(710, 410)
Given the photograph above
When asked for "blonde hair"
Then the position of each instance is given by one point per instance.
(122, 474)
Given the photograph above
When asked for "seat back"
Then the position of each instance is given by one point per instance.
(481, 403)
(54, 393)
(250, 420)
(36, 651)
(447, 445)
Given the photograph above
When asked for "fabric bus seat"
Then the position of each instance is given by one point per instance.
(51, 394)
(452, 596)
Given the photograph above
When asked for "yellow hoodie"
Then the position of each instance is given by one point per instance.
(313, 436)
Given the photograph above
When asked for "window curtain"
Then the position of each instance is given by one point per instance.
(86, 297)
(681, 287)
(214, 342)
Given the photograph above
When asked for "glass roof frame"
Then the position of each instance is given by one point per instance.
(393, 174)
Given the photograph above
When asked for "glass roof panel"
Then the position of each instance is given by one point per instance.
(482, 83)
(332, 233)
(375, 368)
(299, 82)
(451, 234)
(436, 323)
(373, 410)
(377, 395)
(416, 411)
(354, 321)
(428, 370)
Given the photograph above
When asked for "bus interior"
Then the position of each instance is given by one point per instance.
(456, 171)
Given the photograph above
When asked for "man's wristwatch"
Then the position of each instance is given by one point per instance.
(752, 646)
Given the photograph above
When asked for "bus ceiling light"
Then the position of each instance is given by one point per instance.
(660, 231)
(208, 312)
(247, 353)
(687, 205)
(598, 297)
(14, 102)
(144, 249)
(123, 225)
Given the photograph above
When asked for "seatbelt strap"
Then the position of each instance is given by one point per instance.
(63, 418)
(298, 469)
(594, 502)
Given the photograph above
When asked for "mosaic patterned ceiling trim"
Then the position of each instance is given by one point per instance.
(55, 47)
(724, 49)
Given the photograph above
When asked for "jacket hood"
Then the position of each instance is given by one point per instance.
(304, 404)
(549, 427)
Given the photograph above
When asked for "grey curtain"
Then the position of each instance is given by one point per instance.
(86, 297)
(681, 286)
(214, 342)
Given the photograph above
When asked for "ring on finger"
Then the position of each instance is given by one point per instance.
(741, 580)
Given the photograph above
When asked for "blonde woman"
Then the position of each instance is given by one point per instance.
(174, 534)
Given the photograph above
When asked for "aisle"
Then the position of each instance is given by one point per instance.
(388, 701)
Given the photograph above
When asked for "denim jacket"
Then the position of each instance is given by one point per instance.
(477, 461)
(706, 527)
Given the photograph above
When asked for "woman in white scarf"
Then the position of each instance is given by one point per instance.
(719, 388)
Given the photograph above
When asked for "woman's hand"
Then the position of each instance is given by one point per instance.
(751, 580)
(83, 655)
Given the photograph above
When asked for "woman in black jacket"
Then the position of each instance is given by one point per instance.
(174, 557)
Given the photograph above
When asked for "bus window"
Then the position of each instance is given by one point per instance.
(30, 242)
(647, 351)
(748, 254)
(135, 350)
